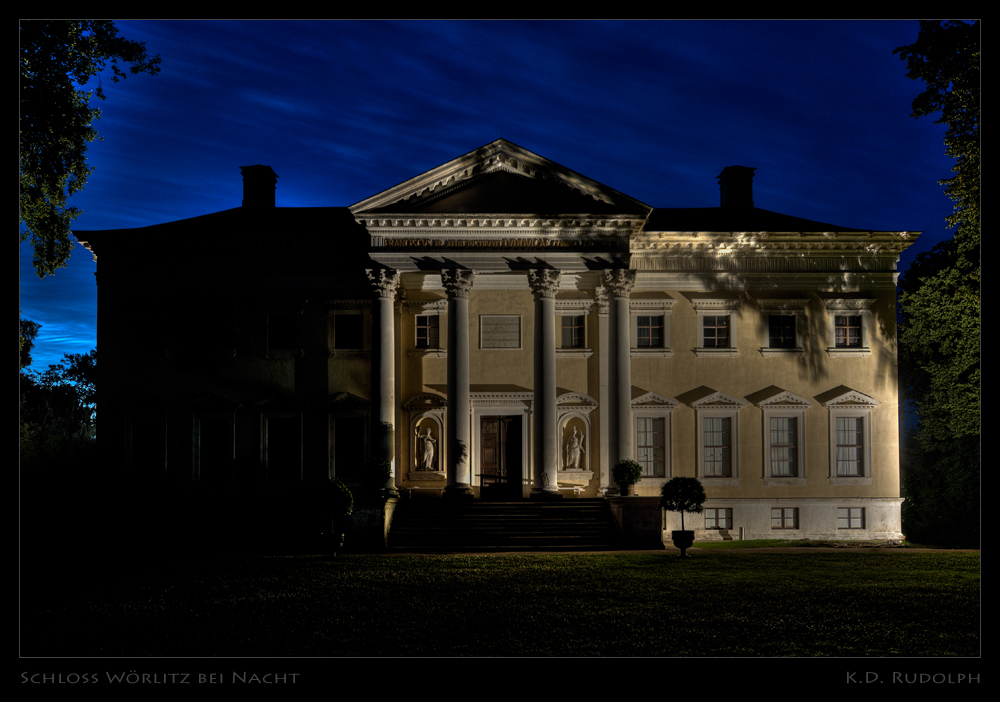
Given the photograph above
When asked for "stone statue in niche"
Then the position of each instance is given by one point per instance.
(574, 450)
(426, 455)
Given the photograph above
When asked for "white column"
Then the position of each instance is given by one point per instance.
(458, 284)
(603, 380)
(619, 283)
(545, 284)
(385, 282)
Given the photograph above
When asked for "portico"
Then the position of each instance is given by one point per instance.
(500, 278)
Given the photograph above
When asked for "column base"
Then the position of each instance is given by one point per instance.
(459, 492)
(547, 495)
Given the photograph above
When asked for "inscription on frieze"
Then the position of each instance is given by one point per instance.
(500, 331)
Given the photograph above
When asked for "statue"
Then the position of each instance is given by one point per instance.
(427, 463)
(574, 449)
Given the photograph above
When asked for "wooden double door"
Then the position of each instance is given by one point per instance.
(500, 457)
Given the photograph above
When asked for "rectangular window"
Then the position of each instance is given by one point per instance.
(784, 447)
(718, 447)
(784, 517)
(348, 331)
(719, 518)
(716, 332)
(649, 330)
(428, 332)
(850, 517)
(847, 331)
(650, 446)
(850, 446)
(282, 331)
(781, 331)
(283, 448)
(572, 331)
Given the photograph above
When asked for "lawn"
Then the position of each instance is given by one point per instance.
(735, 603)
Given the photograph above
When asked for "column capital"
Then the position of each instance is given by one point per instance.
(619, 282)
(602, 300)
(385, 281)
(544, 282)
(457, 282)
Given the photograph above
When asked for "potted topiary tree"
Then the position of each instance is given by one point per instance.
(682, 495)
(627, 473)
(340, 504)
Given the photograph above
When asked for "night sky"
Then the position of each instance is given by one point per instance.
(344, 110)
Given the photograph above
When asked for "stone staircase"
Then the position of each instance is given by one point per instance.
(442, 526)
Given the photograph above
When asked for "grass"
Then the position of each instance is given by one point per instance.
(739, 603)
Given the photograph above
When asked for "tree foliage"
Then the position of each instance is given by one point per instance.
(58, 408)
(946, 58)
(939, 336)
(27, 332)
(682, 495)
(57, 57)
(940, 293)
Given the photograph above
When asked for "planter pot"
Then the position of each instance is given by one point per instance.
(682, 540)
(627, 490)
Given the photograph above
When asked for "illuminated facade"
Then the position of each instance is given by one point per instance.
(520, 327)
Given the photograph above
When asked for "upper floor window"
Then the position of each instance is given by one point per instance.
(571, 327)
(847, 332)
(651, 327)
(428, 327)
(572, 331)
(781, 331)
(716, 331)
(781, 325)
(428, 332)
(849, 327)
(649, 332)
(716, 327)
(349, 329)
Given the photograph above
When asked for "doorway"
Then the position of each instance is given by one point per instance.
(500, 458)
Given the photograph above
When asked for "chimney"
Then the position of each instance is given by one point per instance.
(258, 186)
(736, 186)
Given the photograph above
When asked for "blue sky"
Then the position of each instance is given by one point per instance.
(655, 109)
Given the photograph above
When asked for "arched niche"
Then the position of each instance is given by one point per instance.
(575, 450)
(426, 411)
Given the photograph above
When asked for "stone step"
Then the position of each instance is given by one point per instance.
(439, 526)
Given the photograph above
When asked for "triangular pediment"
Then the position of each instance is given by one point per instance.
(500, 178)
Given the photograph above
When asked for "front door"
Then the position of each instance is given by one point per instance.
(500, 457)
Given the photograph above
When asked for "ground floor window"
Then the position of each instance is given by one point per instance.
(650, 446)
(850, 446)
(717, 447)
(784, 517)
(850, 517)
(719, 518)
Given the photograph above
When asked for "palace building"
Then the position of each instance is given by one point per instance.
(501, 326)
